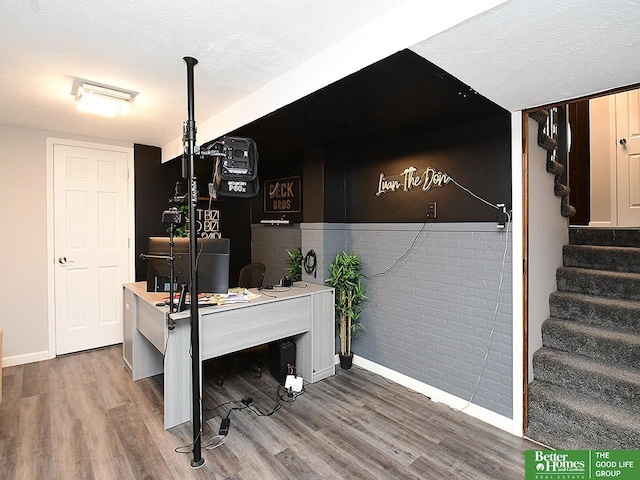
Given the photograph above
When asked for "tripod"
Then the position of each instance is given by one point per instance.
(173, 217)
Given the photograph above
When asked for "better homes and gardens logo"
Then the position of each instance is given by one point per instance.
(582, 464)
(555, 465)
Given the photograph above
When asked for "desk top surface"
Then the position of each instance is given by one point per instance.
(298, 289)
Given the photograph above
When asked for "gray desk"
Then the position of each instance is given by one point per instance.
(150, 348)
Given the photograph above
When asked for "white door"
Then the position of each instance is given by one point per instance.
(90, 245)
(628, 158)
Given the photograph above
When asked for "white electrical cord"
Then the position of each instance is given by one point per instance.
(504, 258)
(495, 314)
(473, 194)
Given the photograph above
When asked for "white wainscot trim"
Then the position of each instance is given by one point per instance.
(27, 358)
(435, 394)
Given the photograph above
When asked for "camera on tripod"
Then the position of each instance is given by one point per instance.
(173, 216)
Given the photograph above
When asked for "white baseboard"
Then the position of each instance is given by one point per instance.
(600, 224)
(22, 359)
(435, 394)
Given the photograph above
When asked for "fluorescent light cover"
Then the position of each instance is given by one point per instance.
(103, 100)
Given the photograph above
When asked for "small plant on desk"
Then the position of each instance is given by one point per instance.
(294, 265)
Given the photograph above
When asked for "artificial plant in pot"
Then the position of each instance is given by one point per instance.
(345, 277)
(294, 265)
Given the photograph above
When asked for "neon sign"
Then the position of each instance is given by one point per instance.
(411, 178)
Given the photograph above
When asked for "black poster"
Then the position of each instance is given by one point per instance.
(282, 195)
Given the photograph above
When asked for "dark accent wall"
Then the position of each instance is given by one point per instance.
(395, 112)
(313, 186)
(476, 155)
(154, 187)
(341, 186)
(324, 186)
(235, 224)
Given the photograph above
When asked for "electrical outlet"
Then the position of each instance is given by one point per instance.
(431, 210)
(503, 216)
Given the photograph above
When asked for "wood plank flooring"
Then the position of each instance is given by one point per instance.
(81, 417)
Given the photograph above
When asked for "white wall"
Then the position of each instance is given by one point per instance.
(23, 196)
(517, 235)
(548, 232)
(23, 243)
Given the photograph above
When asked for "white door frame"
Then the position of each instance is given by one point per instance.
(623, 101)
(50, 142)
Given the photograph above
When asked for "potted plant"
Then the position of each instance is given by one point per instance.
(294, 265)
(345, 277)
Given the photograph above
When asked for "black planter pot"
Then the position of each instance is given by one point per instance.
(345, 361)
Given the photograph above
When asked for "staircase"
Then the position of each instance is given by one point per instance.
(547, 139)
(586, 388)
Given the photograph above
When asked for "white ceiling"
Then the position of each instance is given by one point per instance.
(139, 46)
(519, 54)
(527, 53)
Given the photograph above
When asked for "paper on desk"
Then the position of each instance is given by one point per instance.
(235, 295)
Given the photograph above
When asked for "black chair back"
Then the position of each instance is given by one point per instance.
(252, 275)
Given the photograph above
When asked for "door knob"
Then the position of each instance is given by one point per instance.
(623, 142)
(64, 261)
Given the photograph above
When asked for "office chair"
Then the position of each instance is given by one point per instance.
(251, 276)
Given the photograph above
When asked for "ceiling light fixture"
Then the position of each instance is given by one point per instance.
(103, 100)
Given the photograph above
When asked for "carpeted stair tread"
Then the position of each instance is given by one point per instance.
(616, 259)
(564, 419)
(619, 385)
(586, 388)
(592, 341)
(615, 314)
(620, 237)
(602, 283)
(540, 116)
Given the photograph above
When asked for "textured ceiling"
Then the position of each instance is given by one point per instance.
(527, 53)
(139, 46)
(519, 54)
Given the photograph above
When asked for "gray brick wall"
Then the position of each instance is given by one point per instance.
(431, 316)
(269, 245)
(326, 241)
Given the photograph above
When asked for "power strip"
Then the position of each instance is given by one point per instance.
(294, 383)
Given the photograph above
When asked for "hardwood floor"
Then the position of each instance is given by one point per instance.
(81, 416)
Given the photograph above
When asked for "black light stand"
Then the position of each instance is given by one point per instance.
(237, 168)
(190, 144)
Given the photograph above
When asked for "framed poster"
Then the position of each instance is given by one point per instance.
(282, 195)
